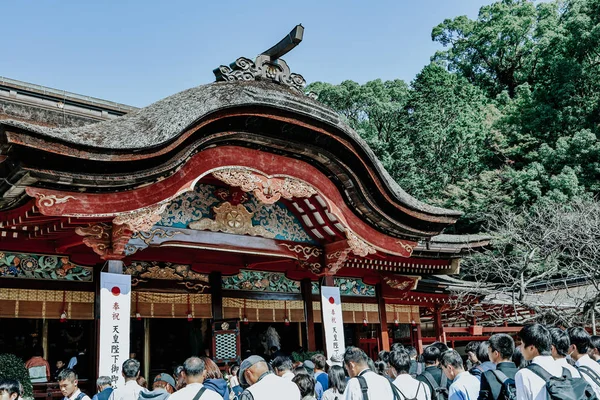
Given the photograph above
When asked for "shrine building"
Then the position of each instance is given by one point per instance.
(231, 201)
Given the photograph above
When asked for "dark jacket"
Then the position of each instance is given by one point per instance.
(490, 385)
(219, 386)
(437, 377)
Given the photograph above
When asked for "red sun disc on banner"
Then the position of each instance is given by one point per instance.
(331, 300)
(115, 290)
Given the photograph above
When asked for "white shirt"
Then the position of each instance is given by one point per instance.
(564, 364)
(273, 387)
(191, 390)
(586, 361)
(532, 387)
(288, 375)
(409, 387)
(130, 391)
(378, 387)
(75, 394)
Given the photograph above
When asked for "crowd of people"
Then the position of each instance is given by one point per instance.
(549, 363)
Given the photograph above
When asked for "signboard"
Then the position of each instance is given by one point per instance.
(115, 313)
(333, 323)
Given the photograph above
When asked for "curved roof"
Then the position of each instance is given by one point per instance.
(152, 143)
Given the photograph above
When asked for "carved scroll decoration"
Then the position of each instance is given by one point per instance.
(336, 260)
(108, 241)
(263, 68)
(358, 246)
(148, 236)
(305, 252)
(44, 200)
(231, 219)
(267, 190)
(141, 220)
(402, 283)
(407, 247)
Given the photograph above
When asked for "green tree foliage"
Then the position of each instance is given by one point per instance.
(12, 367)
(506, 116)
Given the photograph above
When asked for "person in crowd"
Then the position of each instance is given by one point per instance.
(336, 359)
(131, 390)
(162, 388)
(310, 368)
(560, 349)
(67, 382)
(142, 382)
(79, 363)
(500, 352)
(261, 384)
(415, 366)
(104, 388)
(356, 363)
(306, 385)
(381, 368)
(193, 375)
(536, 346)
(472, 349)
(299, 369)
(464, 385)
(234, 383)
(214, 380)
(283, 367)
(442, 347)
(9, 389)
(395, 347)
(38, 368)
(320, 376)
(588, 368)
(595, 348)
(432, 376)
(518, 358)
(337, 383)
(60, 365)
(409, 387)
(484, 360)
(179, 377)
(275, 352)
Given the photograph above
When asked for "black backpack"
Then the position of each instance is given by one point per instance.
(564, 387)
(508, 390)
(439, 391)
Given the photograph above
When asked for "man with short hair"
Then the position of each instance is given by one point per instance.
(104, 387)
(536, 344)
(320, 375)
(560, 349)
(415, 367)
(194, 371)
(283, 367)
(261, 384)
(595, 348)
(67, 382)
(472, 349)
(432, 376)
(464, 385)
(409, 387)
(588, 368)
(131, 390)
(377, 386)
(500, 351)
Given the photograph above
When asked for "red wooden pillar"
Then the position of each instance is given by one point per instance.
(309, 317)
(418, 337)
(384, 337)
(437, 324)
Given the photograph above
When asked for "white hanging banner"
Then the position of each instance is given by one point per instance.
(333, 322)
(115, 313)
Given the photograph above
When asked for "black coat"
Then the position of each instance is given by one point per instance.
(490, 384)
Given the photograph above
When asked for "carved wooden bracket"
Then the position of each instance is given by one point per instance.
(402, 283)
(141, 220)
(309, 257)
(108, 241)
(336, 254)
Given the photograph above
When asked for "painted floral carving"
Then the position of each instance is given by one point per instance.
(198, 204)
(163, 270)
(231, 219)
(36, 266)
(349, 287)
(261, 282)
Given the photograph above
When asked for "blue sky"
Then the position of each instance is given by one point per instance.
(137, 52)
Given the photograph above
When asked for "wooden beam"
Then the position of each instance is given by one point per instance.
(216, 295)
(384, 337)
(309, 332)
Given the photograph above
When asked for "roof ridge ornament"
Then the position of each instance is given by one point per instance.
(268, 66)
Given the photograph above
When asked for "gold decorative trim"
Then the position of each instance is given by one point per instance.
(231, 219)
(141, 220)
(305, 251)
(231, 302)
(358, 246)
(46, 295)
(148, 236)
(172, 298)
(17, 309)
